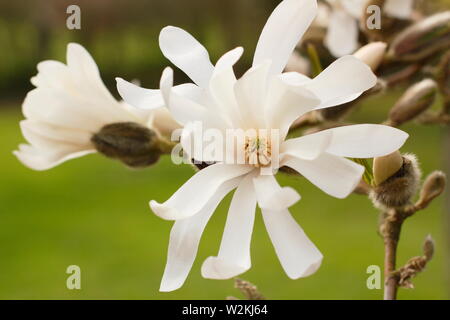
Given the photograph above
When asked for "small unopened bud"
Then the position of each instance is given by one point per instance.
(415, 265)
(428, 248)
(413, 102)
(397, 190)
(422, 38)
(372, 54)
(433, 187)
(133, 144)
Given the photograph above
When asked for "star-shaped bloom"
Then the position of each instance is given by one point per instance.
(344, 17)
(263, 99)
(69, 105)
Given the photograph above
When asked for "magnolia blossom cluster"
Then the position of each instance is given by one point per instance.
(71, 105)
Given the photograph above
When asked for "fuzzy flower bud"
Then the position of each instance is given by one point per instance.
(372, 54)
(428, 247)
(394, 187)
(413, 102)
(433, 187)
(133, 144)
(422, 39)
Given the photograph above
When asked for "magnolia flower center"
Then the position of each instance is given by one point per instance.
(258, 151)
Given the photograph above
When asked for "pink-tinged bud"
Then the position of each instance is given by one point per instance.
(418, 98)
(372, 54)
(422, 39)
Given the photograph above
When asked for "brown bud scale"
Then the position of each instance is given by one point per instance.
(133, 144)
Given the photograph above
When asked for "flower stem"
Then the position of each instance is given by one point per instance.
(391, 232)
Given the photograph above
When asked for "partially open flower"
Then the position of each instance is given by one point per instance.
(395, 188)
(69, 106)
(417, 99)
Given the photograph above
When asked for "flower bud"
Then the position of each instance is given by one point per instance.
(400, 186)
(416, 265)
(422, 38)
(428, 248)
(414, 101)
(133, 144)
(433, 186)
(372, 54)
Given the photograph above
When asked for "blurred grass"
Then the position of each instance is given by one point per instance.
(93, 212)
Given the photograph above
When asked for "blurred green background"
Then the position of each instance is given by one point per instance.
(94, 213)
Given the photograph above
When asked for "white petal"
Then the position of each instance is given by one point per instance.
(163, 122)
(342, 34)
(190, 198)
(323, 15)
(184, 51)
(336, 176)
(297, 254)
(53, 74)
(40, 160)
(139, 97)
(307, 147)
(85, 70)
(283, 30)
(363, 140)
(250, 91)
(294, 78)
(56, 107)
(184, 108)
(221, 86)
(184, 240)
(47, 136)
(234, 254)
(271, 196)
(286, 103)
(401, 9)
(354, 7)
(343, 81)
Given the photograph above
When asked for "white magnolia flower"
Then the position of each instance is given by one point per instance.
(344, 17)
(264, 98)
(69, 104)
